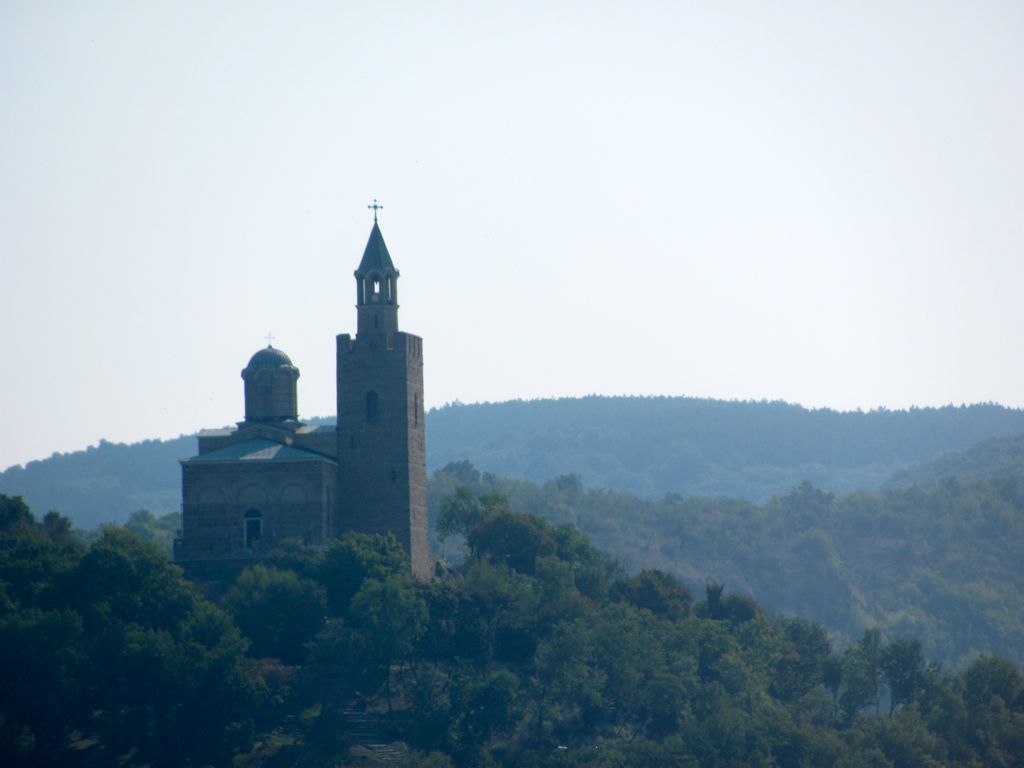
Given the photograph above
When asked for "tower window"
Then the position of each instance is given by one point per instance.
(372, 407)
(415, 409)
(252, 527)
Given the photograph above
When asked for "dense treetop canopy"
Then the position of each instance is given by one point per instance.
(538, 649)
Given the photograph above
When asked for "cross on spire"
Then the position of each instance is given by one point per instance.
(270, 338)
(375, 207)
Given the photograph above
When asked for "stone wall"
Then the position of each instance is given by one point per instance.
(294, 499)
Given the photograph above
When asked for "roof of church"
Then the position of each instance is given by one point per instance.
(376, 256)
(304, 429)
(268, 358)
(259, 449)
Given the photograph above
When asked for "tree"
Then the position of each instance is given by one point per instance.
(802, 666)
(34, 558)
(993, 692)
(460, 511)
(390, 618)
(292, 555)
(159, 530)
(512, 540)
(42, 668)
(902, 666)
(15, 516)
(125, 579)
(712, 607)
(200, 694)
(487, 706)
(659, 592)
(277, 611)
(353, 559)
(988, 678)
(593, 570)
(832, 678)
(862, 674)
(169, 663)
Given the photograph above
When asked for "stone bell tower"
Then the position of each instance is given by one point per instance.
(382, 473)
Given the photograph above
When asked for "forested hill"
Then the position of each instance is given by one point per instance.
(700, 447)
(998, 457)
(104, 483)
(942, 563)
(647, 446)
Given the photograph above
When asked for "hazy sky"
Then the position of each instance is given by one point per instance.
(815, 202)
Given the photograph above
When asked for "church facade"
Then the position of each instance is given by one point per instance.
(273, 478)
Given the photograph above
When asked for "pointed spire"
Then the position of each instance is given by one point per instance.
(376, 256)
(376, 288)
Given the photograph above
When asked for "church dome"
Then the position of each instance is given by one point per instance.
(270, 393)
(268, 358)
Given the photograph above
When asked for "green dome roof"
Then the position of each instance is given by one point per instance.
(268, 358)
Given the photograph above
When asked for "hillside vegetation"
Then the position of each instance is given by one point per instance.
(942, 564)
(537, 651)
(647, 446)
(998, 457)
(936, 558)
(104, 483)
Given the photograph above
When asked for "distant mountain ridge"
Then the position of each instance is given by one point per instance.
(648, 446)
(701, 447)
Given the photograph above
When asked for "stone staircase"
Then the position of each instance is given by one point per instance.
(371, 731)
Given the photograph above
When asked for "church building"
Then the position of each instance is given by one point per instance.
(272, 477)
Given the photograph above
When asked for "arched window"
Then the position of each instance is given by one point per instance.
(372, 407)
(253, 527)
